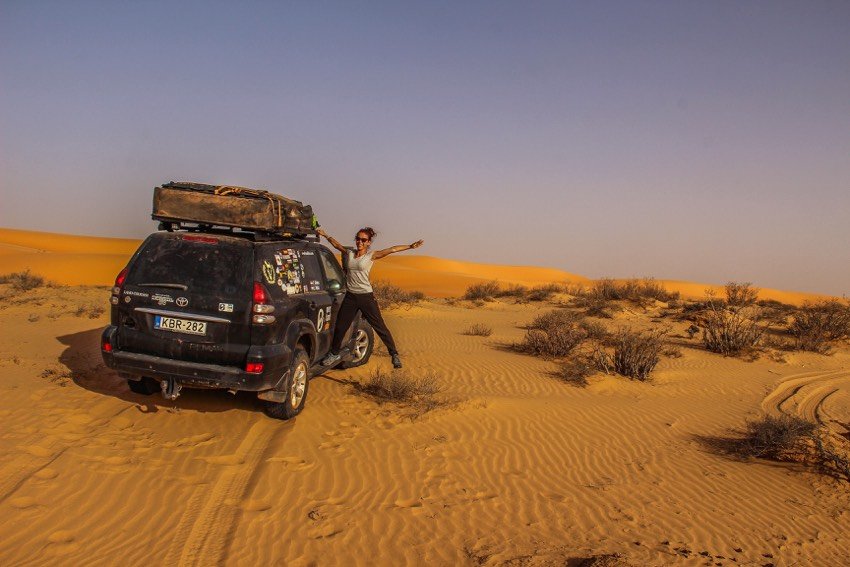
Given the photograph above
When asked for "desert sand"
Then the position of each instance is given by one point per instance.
(519, 468)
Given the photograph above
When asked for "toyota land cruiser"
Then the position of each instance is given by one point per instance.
(228, 309)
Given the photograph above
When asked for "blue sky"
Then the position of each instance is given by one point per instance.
(706, 141)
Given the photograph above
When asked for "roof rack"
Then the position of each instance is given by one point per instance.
(256, 235)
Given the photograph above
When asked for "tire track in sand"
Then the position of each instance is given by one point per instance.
(806, 394)
(202, 535)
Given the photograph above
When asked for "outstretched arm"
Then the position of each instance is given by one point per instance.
(393, 249)
(333, 241)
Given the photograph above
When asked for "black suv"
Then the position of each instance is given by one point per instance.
(232, 310)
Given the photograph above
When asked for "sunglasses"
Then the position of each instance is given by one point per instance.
(358, 239)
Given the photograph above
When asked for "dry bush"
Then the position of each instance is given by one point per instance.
(789, 438)
(637, 352)
(389, 296)
(543, 292)
(741, 294)
(731, 331)
(478, 330)
(517, 291)
(772, 437)
(816, 325)
(92, 311)
(575, 371)
(22, 281)
(551, 343)
(482, 291)
(557, 333)
(597, 300)
(416, 392)
(555, 318)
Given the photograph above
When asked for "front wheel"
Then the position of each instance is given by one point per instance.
(296, 388)
(361, 346)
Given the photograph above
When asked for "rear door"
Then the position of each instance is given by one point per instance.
(320, 302)
(188, 297)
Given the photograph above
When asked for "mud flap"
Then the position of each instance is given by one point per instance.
(277, 394)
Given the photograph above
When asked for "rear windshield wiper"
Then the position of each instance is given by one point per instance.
(169, 285)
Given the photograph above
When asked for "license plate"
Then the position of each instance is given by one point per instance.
(179, 325)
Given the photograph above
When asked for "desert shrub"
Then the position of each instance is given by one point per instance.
(552, 343)
(555, 318)
(771, 437)
(741, 294)
(573, 289)
(597, 300)
(22, 281)
(594, 330)
(389, 295)
(417, 392)
(637, 352)
(92, 311)
(575, 371)
(730, 331)
(543, 292)
(478, 330)
(789, 438)
(518, 291)
(482, 291)
(816, 325)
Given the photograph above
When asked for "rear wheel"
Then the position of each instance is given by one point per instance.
(146, 386)
(297, 384)
(361, 346)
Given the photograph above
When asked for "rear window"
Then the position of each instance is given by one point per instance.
(202, 264)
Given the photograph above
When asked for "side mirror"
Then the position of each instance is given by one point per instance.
(334, 286)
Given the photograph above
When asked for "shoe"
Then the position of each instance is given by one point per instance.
(331, 359)
(396, 361)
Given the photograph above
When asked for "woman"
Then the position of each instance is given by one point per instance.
(359, 296)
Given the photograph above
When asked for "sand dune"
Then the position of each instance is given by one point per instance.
(89, 260)
(519, 469)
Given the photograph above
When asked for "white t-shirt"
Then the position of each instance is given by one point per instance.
(357, 279)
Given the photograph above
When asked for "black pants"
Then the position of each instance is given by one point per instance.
(366, 304)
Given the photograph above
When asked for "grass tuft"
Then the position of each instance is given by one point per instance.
(478, 330)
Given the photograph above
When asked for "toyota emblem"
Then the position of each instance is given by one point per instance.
(182, 302)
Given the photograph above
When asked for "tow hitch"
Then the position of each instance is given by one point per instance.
(170, 389)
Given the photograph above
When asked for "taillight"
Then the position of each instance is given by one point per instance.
(106, 346)
(119, 281)
(254, 367)
(261, 296)
(262, 305)
(119, 285)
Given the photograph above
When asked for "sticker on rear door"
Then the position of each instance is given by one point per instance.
(226, 307)
(268, 272)
(323, 323)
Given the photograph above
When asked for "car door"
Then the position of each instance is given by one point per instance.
(319, 300)
(334, 283)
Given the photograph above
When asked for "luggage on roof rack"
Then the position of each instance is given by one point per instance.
(236, 207)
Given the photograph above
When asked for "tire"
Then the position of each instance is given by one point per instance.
(297, 383)
(146, 386)
(361, 346)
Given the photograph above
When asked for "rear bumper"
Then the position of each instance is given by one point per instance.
(134, 366)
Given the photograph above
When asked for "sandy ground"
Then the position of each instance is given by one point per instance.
(519, 469)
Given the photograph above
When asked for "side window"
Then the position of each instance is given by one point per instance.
(332, 270)
(312, 271)
(286, 272)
